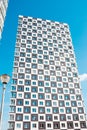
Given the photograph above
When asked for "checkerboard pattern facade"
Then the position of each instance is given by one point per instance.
(3, 8)
(46, 93)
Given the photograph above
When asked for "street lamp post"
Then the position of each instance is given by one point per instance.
(4, 80)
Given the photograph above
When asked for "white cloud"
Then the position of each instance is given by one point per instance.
(83, 77)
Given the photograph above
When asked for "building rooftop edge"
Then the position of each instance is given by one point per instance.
(21, 16)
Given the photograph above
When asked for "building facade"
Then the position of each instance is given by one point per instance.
(46, 93)
(3, 7)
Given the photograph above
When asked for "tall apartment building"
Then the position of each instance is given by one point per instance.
(46, 93)
(3, 7)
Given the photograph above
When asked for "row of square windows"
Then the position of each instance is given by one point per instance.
(42, 109)
(71, 88)
(42, 83)
(23, 23)
(39, 67)
(31, 25)
(28, 30)
(45, 101)
(34, 58)
(58, 58)
(39, 27)
(23, 61)
(41, 21)
(40, 54)
(42, 34)
(26, 117)
(47, 58)
(50, 43)
(41, 102)
(42, 96)
(44, 31)
(48, 103)
(54, 96)
(44, 25)
(62, 66)
(59, 66)
(34, 117)
(43, 39)
(40, 51)
(48, 80)
(46, 70)
(42, 72)
(54, 125)
(59, 84)
(42, 69)
(34, 25)
(53, 48)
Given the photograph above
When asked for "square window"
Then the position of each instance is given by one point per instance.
(34, 125)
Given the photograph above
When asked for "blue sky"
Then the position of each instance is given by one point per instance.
(73, 12)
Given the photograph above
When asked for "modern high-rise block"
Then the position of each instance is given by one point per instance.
(3, 8)
(46, 93)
